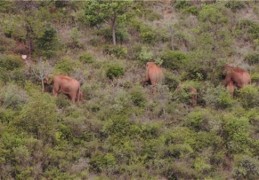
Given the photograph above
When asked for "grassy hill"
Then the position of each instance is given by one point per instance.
(121, 130)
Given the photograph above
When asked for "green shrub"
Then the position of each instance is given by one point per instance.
(117, 51)
(254, 31)
(249, 96)
(38, 117)
(10, 62)
(13, 96)
(247, 168)
(100, 162)
(48, 43)
(18, 76)
(249, 27)
(6, 44)
(148, 35)
(65, 66)
(252, 58)
(114, 71)
(171, 81)
(174, 59)
(6, 115)
(62, 101)
(218, 97)
(212, 14)
(191, 10)
(75, 39)
(145, 55)
(245, 24)
(86, 58)
(202, 120)
(255, 77)
(181, 4)
(235, 5)
(121, 34)
(200, 165)
(235, 133)
(138, 98)
(182, 93)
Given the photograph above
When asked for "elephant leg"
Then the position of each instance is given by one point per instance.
(72, 97)
(231, 88)
(153, 88)
(55, 90)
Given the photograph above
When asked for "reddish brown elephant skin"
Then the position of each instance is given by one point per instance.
(154, 74)
(235, 78)
(238, 76)
(193, 94)
(67, 86)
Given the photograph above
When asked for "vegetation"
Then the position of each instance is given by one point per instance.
(121, 130)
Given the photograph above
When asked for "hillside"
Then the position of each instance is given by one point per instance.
(121, 130)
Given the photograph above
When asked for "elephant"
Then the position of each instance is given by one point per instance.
(192, 93)
(66, 85)
(235, 77)
(154, 74)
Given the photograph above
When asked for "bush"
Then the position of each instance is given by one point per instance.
(182, 93)
(138, 98)
(145, 55)
(148, 35)
(174, 59)
(203, 120)
(38, 117)
(235, 133)
(65, 66)
(181, 4)
(218, 97)
(62, 101)
(235, 5)
(117, 51)
(191, 10)
(121, 34)
(75, 39)
(13, 96)
(101, 162)
(212, 14)
(10, 62)
(249, 27)
(47, 44)
(7, 115)
(249, 96)
(18, 76)
(252, 59)
(171, 81)
(86, 58)
(255, 78)
(114, 71)
(247, 168)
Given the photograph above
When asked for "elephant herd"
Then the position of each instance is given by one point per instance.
(235, 77)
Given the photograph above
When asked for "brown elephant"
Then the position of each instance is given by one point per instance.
(235, 77)
(66, 85)
(192, 93)
(154, 74)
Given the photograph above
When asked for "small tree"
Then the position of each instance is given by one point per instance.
(98, 12)
(41, 70)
